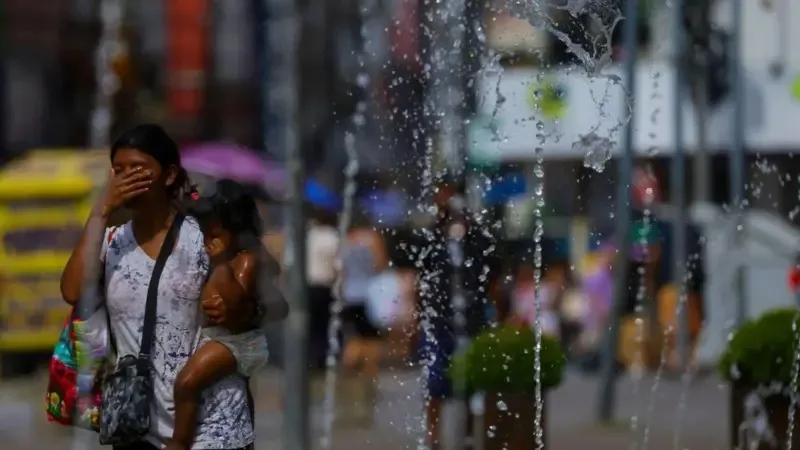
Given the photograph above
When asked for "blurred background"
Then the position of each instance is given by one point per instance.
(546, 131)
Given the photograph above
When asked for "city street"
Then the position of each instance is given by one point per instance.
(649, 416)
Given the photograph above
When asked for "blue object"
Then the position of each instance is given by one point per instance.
(322, 197)
(504, 188)
(386, 208)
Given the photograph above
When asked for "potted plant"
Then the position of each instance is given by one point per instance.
(500, 363)
(758, 365)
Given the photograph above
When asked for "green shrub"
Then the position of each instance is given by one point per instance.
(762, 350)
(502, 360)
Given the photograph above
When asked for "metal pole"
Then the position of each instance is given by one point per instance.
(678, 188)
(737, 155)
(702, 167)
(696, 16)
(282, 34)
(448, 60)
(609, 378)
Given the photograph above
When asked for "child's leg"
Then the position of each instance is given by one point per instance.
(211, 362)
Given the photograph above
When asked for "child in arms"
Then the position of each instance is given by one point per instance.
(231, 228)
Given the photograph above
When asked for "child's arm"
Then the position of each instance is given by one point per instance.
(225, 302)
(246, 268)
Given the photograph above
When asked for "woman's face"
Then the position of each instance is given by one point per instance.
(127, 160)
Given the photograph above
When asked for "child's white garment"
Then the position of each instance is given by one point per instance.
(249, 348)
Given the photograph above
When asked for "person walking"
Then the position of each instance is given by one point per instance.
(148, 180)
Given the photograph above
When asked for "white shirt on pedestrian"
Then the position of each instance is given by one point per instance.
(322, 247)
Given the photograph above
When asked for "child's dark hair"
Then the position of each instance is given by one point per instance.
(233, 206)
(153, 140)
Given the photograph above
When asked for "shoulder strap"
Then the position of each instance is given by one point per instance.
(151, 306)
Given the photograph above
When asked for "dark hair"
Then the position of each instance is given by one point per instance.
(232, 205)
(153, 140)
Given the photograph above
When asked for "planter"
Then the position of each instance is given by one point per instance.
(509, 426)
(777, 414)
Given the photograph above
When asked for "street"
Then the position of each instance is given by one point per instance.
(649, 416)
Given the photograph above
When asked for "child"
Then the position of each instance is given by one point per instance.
(231, 228)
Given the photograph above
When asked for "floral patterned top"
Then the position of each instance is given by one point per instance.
(225, 420)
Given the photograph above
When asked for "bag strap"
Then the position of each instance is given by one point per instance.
(148, 330)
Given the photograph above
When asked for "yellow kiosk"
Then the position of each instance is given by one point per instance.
(45, 198)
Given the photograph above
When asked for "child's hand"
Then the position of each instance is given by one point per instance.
(215, 309)
(215, 249)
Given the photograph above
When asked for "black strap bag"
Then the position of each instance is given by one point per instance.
(128, 389)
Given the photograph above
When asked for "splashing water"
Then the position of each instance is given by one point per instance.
(539, 202)
(638, 367)
(428, 357)
(687, 376)
(597, 151)
(345, 218)
(756, 429)
(794, 381)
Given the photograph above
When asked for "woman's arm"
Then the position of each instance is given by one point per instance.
(83, 267)
(84, 264)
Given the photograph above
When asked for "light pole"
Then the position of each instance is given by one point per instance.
(282, 39)
(678, 185)
(737, 156)
(623, 215)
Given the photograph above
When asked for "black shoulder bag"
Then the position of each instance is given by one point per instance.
(128, 390)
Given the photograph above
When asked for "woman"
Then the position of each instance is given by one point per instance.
(147, 179)
(364, 257)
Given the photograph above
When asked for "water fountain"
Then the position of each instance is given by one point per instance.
(538, 233)
(358, 119)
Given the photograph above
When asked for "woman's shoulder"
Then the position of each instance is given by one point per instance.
(190, 232)
(118, 234)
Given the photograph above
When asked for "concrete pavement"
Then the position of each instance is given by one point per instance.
(651, 415)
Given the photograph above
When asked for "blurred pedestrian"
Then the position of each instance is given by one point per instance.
(438, 340)
(322, 241)
(363, 258)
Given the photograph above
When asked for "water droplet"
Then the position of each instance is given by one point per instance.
(597, 151)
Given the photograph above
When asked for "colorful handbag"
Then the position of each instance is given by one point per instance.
(74, 393)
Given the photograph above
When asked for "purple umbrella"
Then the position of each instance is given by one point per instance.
(219, 160)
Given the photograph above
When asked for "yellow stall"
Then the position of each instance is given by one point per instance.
(45, 197)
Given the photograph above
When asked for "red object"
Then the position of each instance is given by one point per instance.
(794, 278)
(646, 189)
(186, 57)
